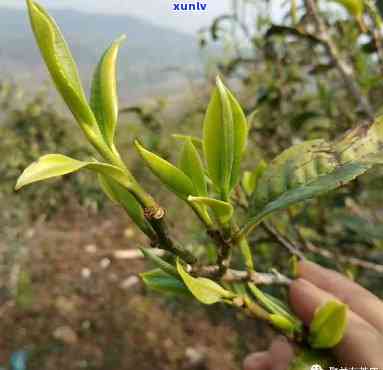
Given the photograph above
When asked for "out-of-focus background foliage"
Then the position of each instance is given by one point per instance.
(67, 298)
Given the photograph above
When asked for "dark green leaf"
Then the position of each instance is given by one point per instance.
(164, 283)
(163, 265)
(315, 167)
(317, 187)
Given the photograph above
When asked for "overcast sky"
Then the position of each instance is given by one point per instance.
(156, 11)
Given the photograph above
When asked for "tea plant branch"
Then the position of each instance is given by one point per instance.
(353, 261)
(310, 247)
(164, 240)
(375, 30)
(270, 230)
(344, 68)
(206, 183)
(274, 233)
(132, 254)
(233, 276)
(223, 251)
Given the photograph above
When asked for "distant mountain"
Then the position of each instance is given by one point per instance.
(146, 58)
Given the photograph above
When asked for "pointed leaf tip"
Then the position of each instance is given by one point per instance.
(104, 97)
(224, 138)
(61, 65)
(162, 282)
(205, 290)
(122, 38)
(48, 166)
(223, 210)
(54, 165)
(175, 179)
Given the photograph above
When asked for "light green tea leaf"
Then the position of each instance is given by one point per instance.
(354, 7)
(328, 325)
(197, 142)
(191, 164)
(218, 140)
(282, 323)
(224, 138)
(248, 182)
(240, 131)
(61, 65)
(247, 253)
(54, 165)
(205, 290)
(176, 180)
(104, 99)
(275, 306)
(120, 195)
(250, 178)
(162, 282)
(223, 210)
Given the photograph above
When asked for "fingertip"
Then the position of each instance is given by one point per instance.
(305, 298)
(298, 290)
(305, 268)
(257, 361)
(281, 353)
(280, 343)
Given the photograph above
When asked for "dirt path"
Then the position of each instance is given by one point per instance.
(81, 313)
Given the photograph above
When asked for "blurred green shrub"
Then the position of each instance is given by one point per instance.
(28, 128)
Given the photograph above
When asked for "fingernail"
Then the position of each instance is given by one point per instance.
(305, 265)
(302, 285)
(257, 361)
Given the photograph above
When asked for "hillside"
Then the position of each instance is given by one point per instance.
(146, 59)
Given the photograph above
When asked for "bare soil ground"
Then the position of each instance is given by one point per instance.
(82, 313)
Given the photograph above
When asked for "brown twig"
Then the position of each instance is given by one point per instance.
(343, 67)
(163, 239)
(376, 29)
(310, 247)
(345, 259)
(275, 234)
(232, 276)
(131, 254)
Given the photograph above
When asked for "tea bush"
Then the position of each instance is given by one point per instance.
(231, 204)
